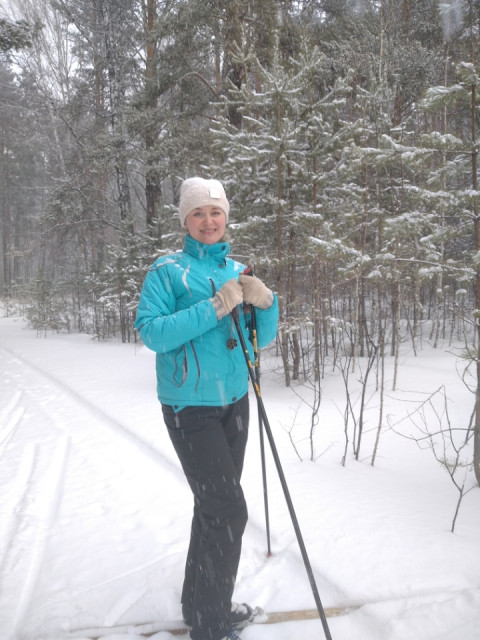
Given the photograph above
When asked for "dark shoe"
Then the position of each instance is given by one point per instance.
(242, 615)
(233, 635)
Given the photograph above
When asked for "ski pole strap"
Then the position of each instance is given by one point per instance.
(243, 344)
(249, 272)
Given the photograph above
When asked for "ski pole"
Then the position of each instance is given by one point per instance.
(248, 271)
(262, 440)
(281, 475)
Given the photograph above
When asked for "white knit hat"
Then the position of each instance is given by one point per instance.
(198, 192)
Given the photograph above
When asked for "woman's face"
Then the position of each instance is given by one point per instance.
(206, 224)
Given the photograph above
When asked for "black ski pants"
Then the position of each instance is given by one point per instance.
(210, 443)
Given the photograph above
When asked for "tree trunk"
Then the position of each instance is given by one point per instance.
(234, 70)
(317, 330)
(116, 91)
(152, 178)
(476, 222)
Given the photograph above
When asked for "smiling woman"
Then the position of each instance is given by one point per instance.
(184, 315)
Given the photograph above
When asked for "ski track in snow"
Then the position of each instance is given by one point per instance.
(117, 427)
(39, 487)
(32, 494)
(33, 490)
(50, 430)
(10, 416)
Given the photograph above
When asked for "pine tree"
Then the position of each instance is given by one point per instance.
(458, 173)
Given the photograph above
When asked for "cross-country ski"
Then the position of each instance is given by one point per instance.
(177, 627)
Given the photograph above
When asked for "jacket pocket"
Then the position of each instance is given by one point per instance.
(180, 369)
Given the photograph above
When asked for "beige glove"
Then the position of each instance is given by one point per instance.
(227, 298)
(255, 292)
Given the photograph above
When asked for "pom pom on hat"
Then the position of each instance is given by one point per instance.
(199, 192)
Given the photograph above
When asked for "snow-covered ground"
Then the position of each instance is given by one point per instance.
(95, 512)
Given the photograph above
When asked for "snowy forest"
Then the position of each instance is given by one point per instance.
(344, 131)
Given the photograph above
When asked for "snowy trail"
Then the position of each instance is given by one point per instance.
(39, 403)
(65, 394)
(47, 429)
(59, 386)
(68, 398)
(39, 486)
(32, 489)
(95, 512)
(45, 442)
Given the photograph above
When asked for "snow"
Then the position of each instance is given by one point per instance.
(95, 512)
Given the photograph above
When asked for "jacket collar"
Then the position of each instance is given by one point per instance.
(217, 251)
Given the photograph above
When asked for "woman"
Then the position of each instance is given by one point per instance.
(184, 315)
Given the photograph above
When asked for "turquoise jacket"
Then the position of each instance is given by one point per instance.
(176, 319)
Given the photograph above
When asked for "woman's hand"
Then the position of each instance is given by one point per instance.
(255, 292)
(227, 298)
